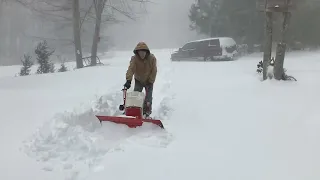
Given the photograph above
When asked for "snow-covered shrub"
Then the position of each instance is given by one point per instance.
(270, 74)
(26, 65)
(260, 67)
(63, 67)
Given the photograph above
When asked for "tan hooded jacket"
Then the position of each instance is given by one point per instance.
(144, 70)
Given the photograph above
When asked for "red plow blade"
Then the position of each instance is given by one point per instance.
(131, 122)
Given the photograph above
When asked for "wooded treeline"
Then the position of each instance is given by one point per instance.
(242, 21)
(71, 27)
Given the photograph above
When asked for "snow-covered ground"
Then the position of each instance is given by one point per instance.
(221, 123)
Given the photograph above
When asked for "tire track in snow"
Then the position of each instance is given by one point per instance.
(75, 142)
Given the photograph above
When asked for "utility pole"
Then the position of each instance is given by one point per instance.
(268, 42)
(269, 7)
(282, 45)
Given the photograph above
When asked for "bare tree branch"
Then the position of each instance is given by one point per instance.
(48, 38)
(86, 13)
(34, 6)
(144, 1)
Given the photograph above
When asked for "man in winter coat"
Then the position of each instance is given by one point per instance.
(143, 66)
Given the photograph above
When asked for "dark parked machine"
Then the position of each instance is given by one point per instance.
(219, 48)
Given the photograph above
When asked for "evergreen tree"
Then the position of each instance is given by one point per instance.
(43, 58)
(62, 68)
(26, 65)
(51, 68)
(241, 20)
(233, 18)
(203, 16)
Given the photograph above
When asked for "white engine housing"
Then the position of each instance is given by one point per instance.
(134, 99)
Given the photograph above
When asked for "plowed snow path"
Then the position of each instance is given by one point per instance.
(75, 142)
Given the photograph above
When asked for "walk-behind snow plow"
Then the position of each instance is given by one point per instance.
(133, 103)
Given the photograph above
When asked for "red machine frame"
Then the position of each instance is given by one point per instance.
(133, 115)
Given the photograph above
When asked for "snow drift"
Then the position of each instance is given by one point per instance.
(221, 122)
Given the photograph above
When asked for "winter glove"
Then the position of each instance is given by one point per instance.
(127, 84)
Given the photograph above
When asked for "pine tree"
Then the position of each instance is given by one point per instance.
(51, 68)
(241, 20)
(43, 55)
(26, 65)
(233, 18)
(62, 68)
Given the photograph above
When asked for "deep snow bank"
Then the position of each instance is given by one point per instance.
(77, 141)
(74, 142)
(213, 113)
(229, 125)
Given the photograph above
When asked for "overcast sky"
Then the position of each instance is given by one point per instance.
(166, 25)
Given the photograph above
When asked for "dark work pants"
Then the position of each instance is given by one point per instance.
(138, 86)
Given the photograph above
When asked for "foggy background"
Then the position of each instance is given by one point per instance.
(165, 26)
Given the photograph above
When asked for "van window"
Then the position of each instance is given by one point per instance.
(203, 44)
(191, 45)
(214, 42)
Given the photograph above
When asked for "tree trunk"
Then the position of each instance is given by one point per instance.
(267, 44)
(281, 48)
(99, 6)
(76, 33)
(278, 64)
